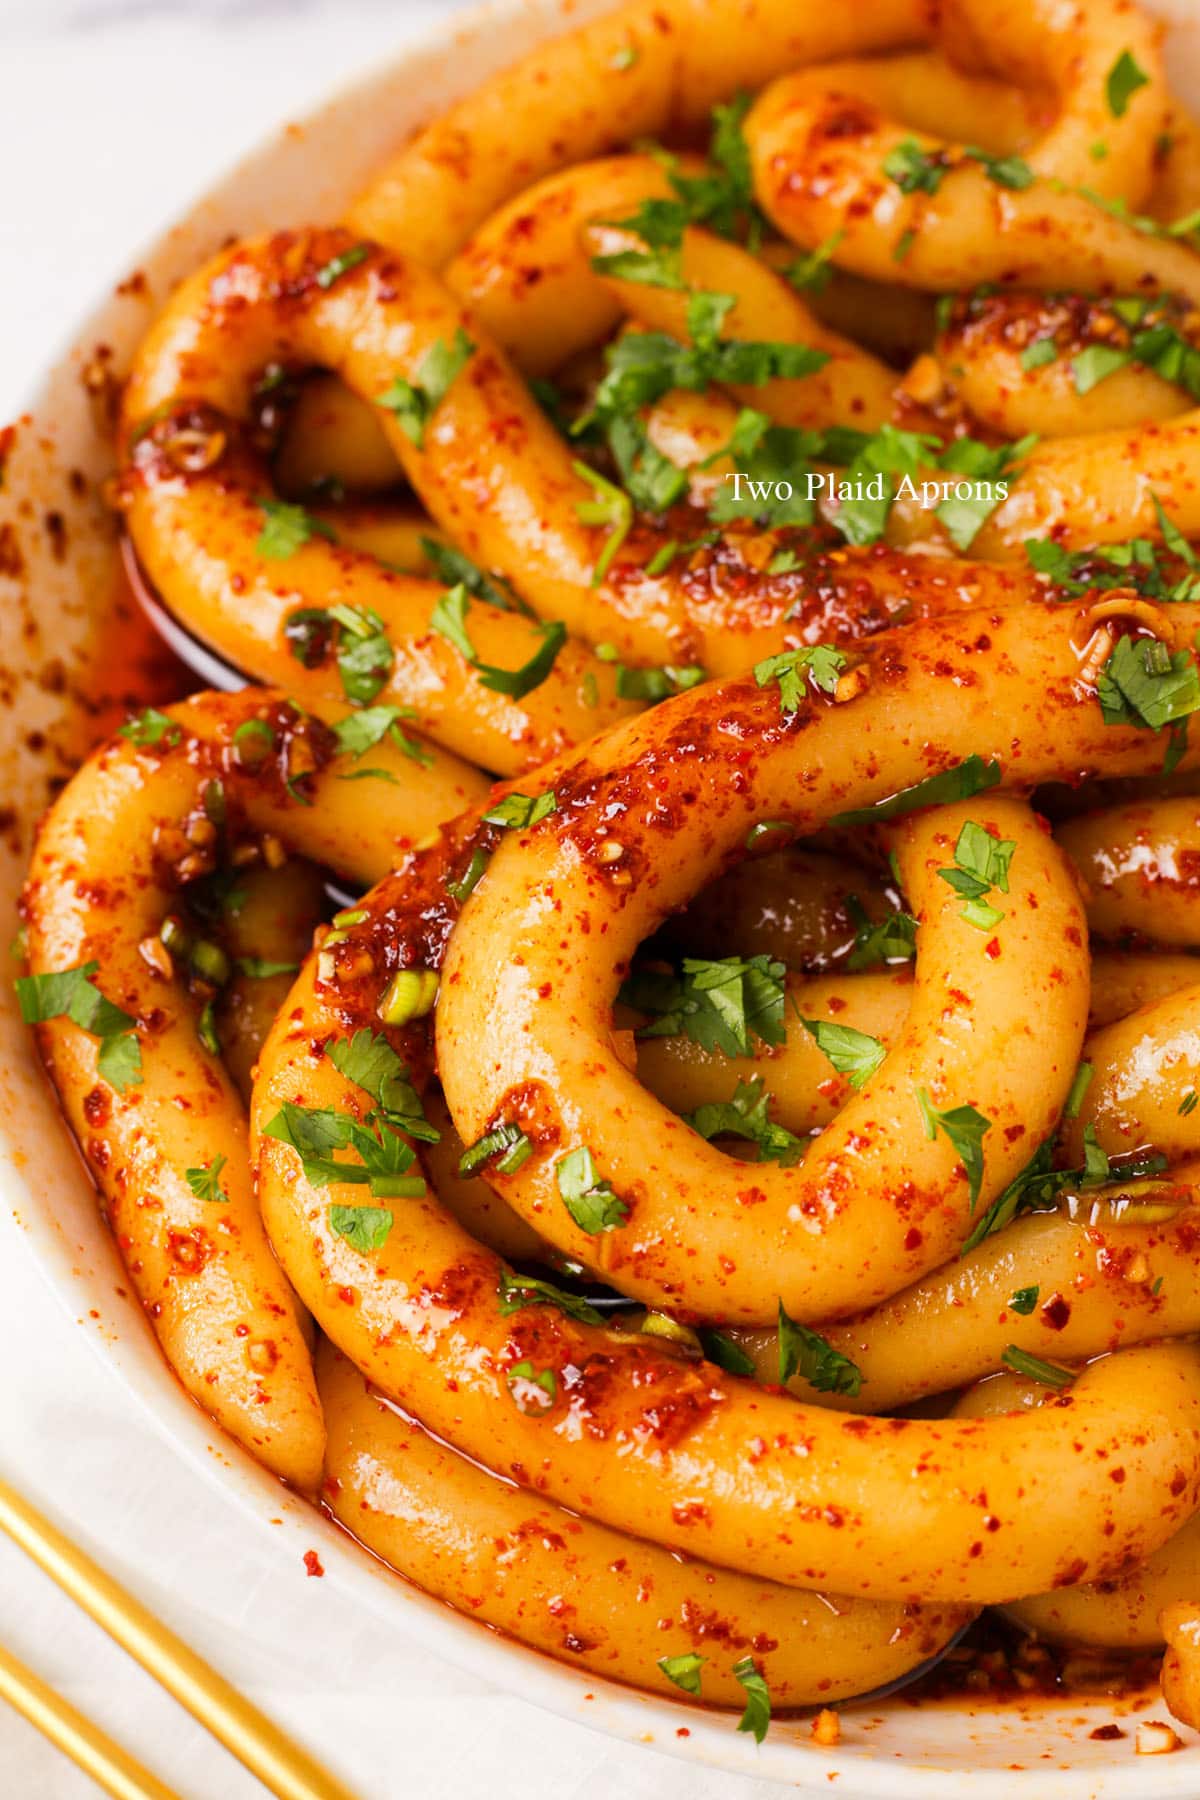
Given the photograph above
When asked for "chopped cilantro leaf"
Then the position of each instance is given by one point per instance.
(892, 939)
(205, 1182)
(766, 455)
(981, 863)
(519, 812)
(364, 1228)
(449, 620)
(286, 528)
(69, 993)
(890, 452)
(368, 1060)
(591, 1202)
(660, 224)
(413, 403)
(517, 1291)
(1172, 537)
(961, 782)
(1079, 1087)
(730, 153)
(1145, 683)
(1095, 363)
(965, 1128)
(719, 1005)
(456, 569)
(1006, 171)
(1096, 1166)
(120, 1061)
(724, 1352)
(820, 662)
(642, 366)
(1158, 346)
(1124, 79)
(1134, 564)
(985, 465)
(1036, 1186)
(852, 1053)
(915, 170)
(722, 197)
(1040, 352)
(657, 684)
(1030, 1190)
(807, 1354)
(364, 654)
(757, 1716)
(653, 482)
(745, 1116)
(360, 731)
(315, 1132)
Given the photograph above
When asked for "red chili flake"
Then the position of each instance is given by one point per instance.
(1055, 1312)
(312, 1563)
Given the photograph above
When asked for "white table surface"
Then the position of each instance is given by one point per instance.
(112, 113)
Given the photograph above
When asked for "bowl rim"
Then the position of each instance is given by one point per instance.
(131, 1354)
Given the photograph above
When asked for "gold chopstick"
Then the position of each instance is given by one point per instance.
(279, 1763)
(87, 1746)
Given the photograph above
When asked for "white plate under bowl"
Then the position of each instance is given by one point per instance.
(62, 628)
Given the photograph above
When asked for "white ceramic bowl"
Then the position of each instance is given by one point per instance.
(61, 623)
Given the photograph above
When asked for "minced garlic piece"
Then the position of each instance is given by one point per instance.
(827, 1728)
(1156, 1739)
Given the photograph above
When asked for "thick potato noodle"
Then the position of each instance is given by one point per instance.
(807, 1094)
(607, 1602)
(703, 1234)
(507, 493)
(195, 519)
(524, 1012)
(1097, 1287)
(1125, 1613)
(1141, 868)
(678, 59)
(706, 1460)
(203, 1271)
(716, 1195)
(429, 1310)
